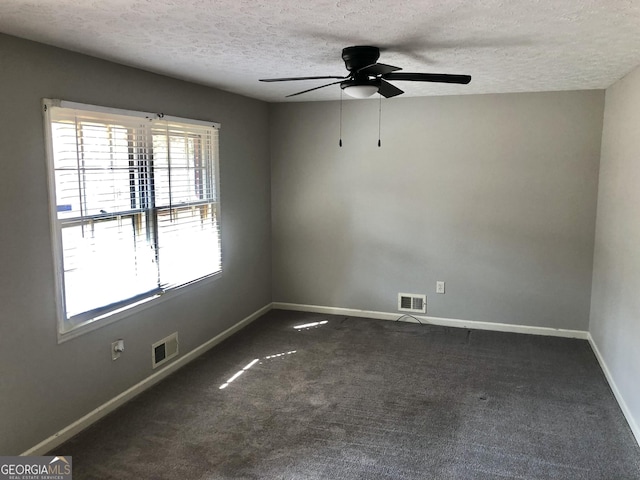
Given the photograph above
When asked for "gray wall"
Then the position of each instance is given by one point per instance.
(494, 194)
(615, 302)
(45, 386)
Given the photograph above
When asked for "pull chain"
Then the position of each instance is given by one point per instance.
(379, 121)
(340, 142)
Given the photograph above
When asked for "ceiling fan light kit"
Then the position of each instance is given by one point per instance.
(359, 91)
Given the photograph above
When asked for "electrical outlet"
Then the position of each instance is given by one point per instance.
(117, 348)
(439, 286)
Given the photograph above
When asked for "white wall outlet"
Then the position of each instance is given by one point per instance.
(117, 348)
(439, 286)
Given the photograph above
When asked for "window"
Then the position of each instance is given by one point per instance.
(135, 207)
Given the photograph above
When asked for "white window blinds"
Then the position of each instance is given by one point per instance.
(136, 207)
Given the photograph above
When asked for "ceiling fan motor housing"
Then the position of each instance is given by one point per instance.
(359, 57)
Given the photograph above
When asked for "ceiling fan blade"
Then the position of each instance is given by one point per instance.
(312, 89)
(298, 78)
(428, 77)
(388, 90)
(378, 69)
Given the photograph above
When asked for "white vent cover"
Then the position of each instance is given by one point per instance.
(164, 350)
(412, 302)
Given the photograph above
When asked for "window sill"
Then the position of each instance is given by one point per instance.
(130, 310)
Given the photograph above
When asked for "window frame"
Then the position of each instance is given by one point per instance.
(66, 327)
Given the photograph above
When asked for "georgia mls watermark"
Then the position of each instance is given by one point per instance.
(35, 468)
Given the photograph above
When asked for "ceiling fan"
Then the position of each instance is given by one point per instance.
(367, 76)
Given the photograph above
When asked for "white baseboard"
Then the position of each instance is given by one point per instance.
(445, 322)
(109, 406)
(614, 388)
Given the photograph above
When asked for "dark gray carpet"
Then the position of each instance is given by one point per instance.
(369, 399)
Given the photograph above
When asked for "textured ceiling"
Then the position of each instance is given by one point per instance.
(507, 46)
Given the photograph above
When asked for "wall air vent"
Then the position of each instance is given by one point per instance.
(164, 350)
(411, 302)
